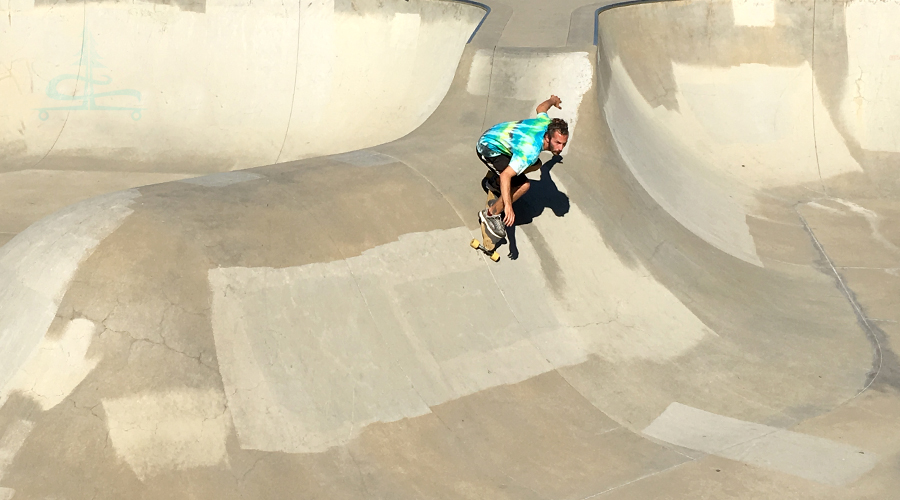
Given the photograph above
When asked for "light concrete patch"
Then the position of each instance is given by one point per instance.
(479, 82)
(223, 179)
(37, 265)
(176, 430)
(809, 457)
(7, 493)
(310, 355)
(365, 158)
(11, 442)
(753, 12)
(57, 366)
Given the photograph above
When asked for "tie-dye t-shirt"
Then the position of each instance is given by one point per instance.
(522, 141)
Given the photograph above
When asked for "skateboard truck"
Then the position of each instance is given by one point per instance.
(490, 253)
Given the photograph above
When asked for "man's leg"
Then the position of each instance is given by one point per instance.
(518, 187)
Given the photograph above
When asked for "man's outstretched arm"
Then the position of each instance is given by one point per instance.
(506, 195)
(546, 105)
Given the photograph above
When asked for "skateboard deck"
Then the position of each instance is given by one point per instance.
(489, 247)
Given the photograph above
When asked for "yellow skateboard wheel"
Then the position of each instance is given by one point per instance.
(495, 256)
(475, 244)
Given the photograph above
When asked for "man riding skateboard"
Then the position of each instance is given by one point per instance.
(510, 150)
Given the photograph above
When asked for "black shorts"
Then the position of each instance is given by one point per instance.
(495, 165)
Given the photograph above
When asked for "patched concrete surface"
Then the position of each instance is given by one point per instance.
(58, 365)
(177, 430)
(38, 266)
(396, 332)
(801, 455)
(699, 298)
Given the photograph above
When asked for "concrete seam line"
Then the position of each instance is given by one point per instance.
(646, 476)
(75, 89)
(877, 362)
(812, 98)
(487, 104)
(287, 127)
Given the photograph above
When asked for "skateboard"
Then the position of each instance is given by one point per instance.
(489, 247)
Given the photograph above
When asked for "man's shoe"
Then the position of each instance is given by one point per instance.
(493, 224)
(491, 182)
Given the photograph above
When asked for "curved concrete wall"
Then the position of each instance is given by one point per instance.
(220, 84)
(322, 328)
(730, 100)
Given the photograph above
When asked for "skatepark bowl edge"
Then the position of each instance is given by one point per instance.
(235, 260)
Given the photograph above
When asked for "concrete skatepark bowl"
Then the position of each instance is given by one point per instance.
(235, 257)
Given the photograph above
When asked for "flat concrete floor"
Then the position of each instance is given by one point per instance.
(699, 298)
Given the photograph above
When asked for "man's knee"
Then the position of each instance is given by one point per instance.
(522, 186)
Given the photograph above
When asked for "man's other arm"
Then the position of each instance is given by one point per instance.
(546, 105)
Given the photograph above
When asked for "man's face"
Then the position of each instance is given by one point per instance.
(555, 143)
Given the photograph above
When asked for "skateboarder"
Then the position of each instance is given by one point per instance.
(510, 150)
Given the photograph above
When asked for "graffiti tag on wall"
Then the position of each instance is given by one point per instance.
(90, 62)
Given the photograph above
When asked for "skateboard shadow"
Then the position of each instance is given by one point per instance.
(542, 194)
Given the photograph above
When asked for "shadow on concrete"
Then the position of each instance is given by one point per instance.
(543, 194)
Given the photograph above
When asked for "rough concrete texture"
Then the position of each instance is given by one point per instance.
(699, 300)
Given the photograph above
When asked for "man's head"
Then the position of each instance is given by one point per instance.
(557, 136)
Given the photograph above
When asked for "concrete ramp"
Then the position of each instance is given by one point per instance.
(699, 299)
(101, 96)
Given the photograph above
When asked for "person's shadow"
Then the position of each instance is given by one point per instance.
(542, 194)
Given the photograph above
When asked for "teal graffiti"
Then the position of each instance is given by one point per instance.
(91, 60)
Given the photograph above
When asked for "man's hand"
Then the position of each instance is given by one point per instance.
(509, 217)
(554, 101)
(506, 195)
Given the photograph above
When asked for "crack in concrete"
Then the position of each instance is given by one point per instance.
(10, 75)
(645, 476)
(91, 409)
(873, 333)
(362, 477)
(248, 471)
(136, 340)
(160, 330)
(859, 93)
